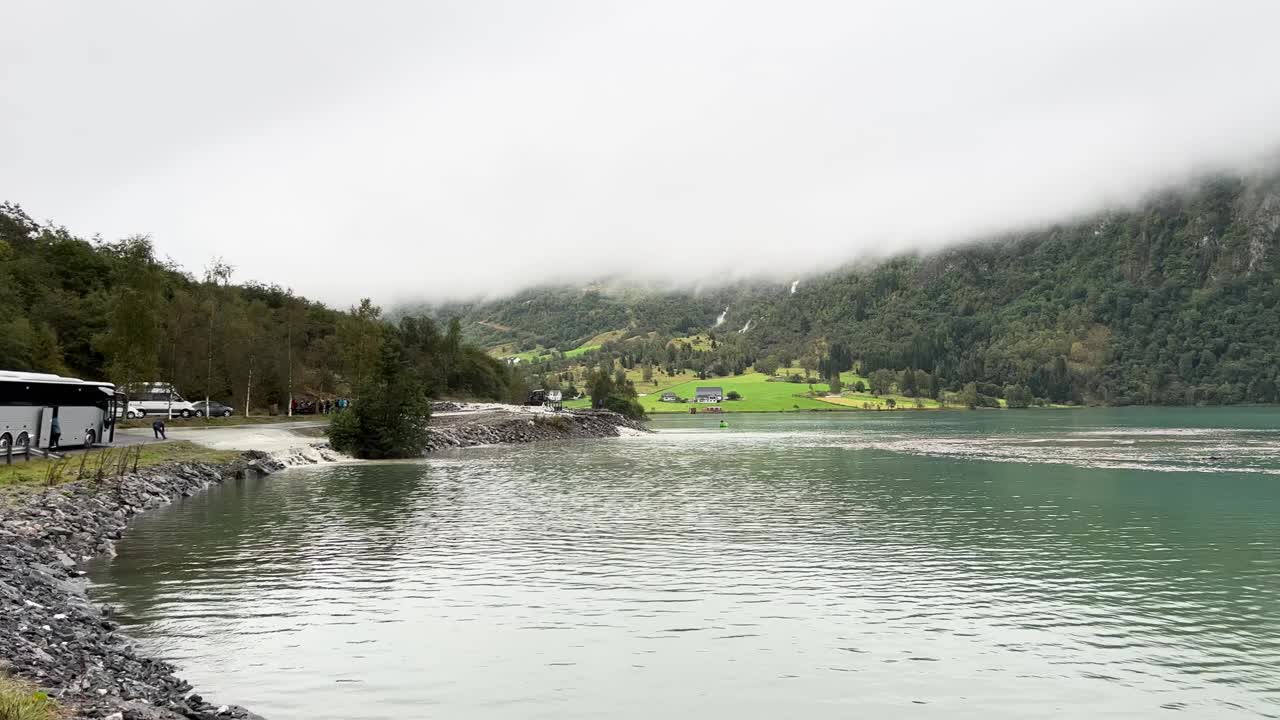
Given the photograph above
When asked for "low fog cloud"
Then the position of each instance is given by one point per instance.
(443, 150)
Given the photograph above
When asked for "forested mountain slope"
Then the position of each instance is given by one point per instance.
(1176, 302)
(114, 311)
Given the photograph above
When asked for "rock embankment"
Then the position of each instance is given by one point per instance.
(496, 428)
(52, 635)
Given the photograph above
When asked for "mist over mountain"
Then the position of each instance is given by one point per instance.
(1174, 302)
(464, 150)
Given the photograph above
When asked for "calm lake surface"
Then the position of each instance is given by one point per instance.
(1017, 564)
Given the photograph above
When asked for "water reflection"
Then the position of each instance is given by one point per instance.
(794, 566)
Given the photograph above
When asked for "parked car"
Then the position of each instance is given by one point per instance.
(156, 399)
(213, 409)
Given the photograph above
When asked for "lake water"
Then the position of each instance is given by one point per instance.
(1017, 564)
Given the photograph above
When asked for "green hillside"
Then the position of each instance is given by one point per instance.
(1174, 302)
(116, 311)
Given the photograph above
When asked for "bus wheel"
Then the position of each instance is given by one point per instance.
(6, 441)
(186, 413)
(90, 437)
(22, 443)
(140, 413)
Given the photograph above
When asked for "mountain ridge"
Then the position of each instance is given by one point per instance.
(1170, 302)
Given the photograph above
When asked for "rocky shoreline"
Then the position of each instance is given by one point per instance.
(502, 428)
(54, 636)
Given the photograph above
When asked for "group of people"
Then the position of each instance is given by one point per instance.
(319, 407)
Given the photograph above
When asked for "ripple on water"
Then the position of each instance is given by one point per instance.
(808, 568)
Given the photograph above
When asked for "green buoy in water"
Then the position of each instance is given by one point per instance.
(724, 424)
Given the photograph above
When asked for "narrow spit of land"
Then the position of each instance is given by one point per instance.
(457, 425)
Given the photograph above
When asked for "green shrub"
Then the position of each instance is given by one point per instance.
(389, 420)
(615, 393)
(625, 405)
(344, 430)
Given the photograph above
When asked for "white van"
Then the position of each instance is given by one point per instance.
(157, 399)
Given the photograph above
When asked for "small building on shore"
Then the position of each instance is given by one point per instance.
(669, 397)
(708, 394)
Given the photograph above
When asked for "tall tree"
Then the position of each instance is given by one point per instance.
(359, 337)
(217, 276)
(132, 338)
(389, 420)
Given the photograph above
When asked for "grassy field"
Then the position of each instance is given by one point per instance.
(41, 471)
(760, 395)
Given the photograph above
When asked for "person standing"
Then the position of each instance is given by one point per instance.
(55, 430)
(157, 428)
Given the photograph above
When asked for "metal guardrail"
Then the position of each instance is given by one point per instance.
(27, 451)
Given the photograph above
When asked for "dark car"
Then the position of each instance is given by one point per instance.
(214, 409)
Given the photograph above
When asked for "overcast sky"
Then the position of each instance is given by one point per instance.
(441, 149)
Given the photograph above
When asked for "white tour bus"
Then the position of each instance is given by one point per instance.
(86, 411)
(155, 398)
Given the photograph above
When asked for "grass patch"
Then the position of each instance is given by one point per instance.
(19, 701)
(604, 337)
(106, 462)
(661, 381)
(701, 341)
(858, 400)
(758, 395)
(542, 354)
(535, 355)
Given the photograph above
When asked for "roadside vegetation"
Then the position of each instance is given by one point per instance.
(20, 701)
(100, 463)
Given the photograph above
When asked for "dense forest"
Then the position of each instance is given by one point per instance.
(1174, 302)
(115, 311)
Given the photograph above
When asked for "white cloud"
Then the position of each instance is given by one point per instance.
(444, 149)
